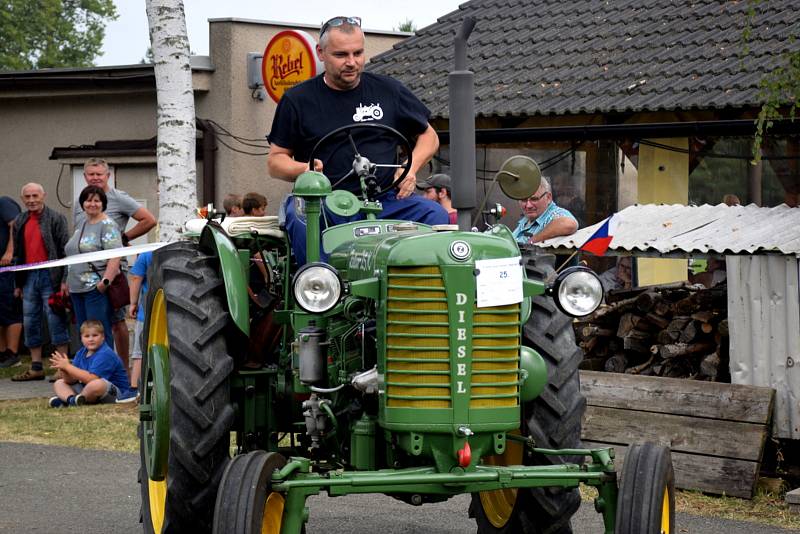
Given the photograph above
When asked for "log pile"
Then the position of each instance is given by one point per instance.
(676, 330)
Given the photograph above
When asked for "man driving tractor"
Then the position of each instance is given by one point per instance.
(337, 98)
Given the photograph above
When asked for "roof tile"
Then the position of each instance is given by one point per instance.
(541, 57)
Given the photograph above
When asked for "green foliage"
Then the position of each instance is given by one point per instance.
(149, 57)
(780, 94)
(780, 91)
(37, 34)
(407, 26)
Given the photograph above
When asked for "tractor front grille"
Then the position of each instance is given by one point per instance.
(495, 357)
(418, 365)
(417, 339)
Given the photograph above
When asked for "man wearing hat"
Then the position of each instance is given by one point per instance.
(437, 188)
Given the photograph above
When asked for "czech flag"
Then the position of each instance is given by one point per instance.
(598, 243)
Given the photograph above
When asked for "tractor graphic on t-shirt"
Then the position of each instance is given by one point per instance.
(371, 112)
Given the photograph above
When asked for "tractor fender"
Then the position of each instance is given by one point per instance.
(215, 241)
(534, 377)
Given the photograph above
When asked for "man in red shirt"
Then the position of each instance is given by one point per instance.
(39, 235)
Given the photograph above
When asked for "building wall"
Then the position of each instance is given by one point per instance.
(30, 126)
(663, 179)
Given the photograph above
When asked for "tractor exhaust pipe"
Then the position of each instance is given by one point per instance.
(462, 129)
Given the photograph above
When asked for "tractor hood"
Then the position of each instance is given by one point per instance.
(371, 254)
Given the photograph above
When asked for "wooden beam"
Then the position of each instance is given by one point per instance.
(714, 400)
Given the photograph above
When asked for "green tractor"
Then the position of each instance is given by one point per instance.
(418, 362)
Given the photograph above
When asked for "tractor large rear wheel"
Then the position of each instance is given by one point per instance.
(553, 420)
(186, 410)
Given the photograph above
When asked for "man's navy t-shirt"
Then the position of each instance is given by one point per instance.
(310, 110)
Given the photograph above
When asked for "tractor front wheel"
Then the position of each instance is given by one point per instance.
(646, 502)
(245, 504)
(186, 413)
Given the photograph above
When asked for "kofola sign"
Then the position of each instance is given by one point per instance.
(289, 59)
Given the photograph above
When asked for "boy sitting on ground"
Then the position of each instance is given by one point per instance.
(96, 374)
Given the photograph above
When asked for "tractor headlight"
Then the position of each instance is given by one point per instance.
(317, 287)
(577, 291)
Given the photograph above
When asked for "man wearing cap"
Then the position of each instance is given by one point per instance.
(346, 95)
(437, 188)
(542, 218)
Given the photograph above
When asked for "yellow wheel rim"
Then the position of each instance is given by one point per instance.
(273, 514)
(498, 505)
(666, 528)
(158, 335)
(158, 499)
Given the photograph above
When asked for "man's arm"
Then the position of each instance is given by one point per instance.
(146, 221)
(282, 165)
(8, 254)
(60, 236)
(69, 372)
(134, 286)
(557, 227)
(426, 146)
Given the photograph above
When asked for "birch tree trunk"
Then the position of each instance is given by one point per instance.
(177, 176)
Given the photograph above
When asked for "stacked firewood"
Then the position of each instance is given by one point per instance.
(676, 330)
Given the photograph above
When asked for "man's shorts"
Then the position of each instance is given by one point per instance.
(10, 306)
(109, 397)
(119, 315)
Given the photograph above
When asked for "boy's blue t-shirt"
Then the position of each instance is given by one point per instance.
(104, 363)
(140, 269)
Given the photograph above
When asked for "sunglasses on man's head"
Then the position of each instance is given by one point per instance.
(338, 21)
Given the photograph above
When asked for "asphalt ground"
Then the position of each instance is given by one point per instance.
(25, 390)
(53, 490)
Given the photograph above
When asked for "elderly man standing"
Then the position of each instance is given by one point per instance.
(542, 218)
(121, 208)
(39, 235)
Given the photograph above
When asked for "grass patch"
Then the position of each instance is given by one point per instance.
(765, 508)
(110, 427)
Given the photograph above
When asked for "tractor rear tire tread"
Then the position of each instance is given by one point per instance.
(201, 413)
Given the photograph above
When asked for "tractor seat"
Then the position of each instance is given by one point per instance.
(235, 226)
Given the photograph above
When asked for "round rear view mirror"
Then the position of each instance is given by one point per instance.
(519, 177)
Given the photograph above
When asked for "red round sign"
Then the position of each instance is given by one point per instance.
(289, 59)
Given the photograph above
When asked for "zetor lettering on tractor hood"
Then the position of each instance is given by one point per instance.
(414, 361)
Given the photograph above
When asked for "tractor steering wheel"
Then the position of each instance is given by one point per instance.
(362, 167)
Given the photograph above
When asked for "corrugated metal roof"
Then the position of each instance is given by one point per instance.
(702, 229)
(549, 57)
